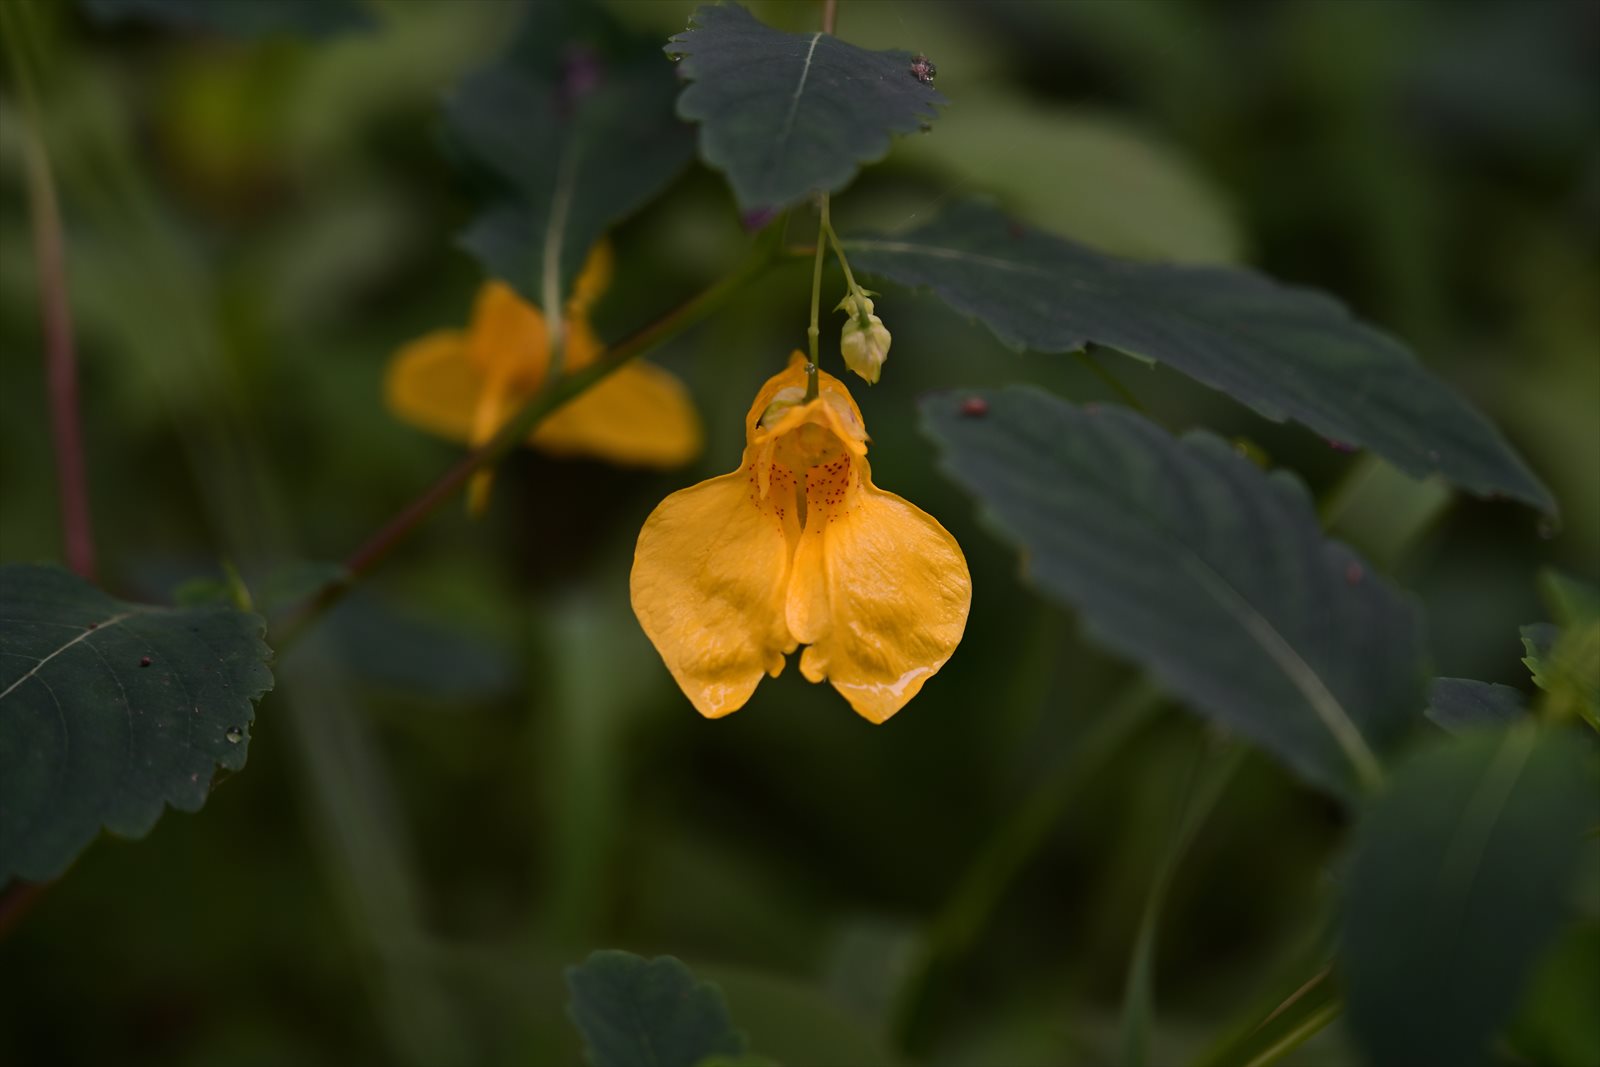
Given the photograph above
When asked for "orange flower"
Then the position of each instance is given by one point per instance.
(796, 547)
(464, 385)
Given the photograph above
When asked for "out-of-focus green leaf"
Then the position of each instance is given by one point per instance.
(787, 114)
(1184, 556)
(635, 1012)
(1295, 1015)
(796, 1023)
(1381, 512)
(1570, 600)
(1093, 177)
(1539, 640)
(239, 18)
(575, 131)
(1457, 884)
(110, 710)
(1285, 352)
(1558, 1024)
(1565, 663)
(1459, 704)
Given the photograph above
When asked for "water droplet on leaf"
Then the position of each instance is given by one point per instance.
(234, 735)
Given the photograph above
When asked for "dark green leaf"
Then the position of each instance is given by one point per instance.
(1457, 883)
(1184, 556)
(1285, 352)
(1459, 704)
(635, 1012)
(239, 18)
(784, 115)
(574, 130)
(110, 710)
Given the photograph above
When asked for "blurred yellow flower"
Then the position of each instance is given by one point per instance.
(796, 547)
(464, 385)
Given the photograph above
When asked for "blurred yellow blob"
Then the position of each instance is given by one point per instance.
(797, 547)
(464, 385)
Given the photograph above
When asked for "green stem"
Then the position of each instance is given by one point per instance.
(812, 331)
(1200, 794)
(513, 433)
(838, 250)
(983, 884)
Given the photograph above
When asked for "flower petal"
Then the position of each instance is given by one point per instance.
(432, 384)
(638, 414)
(897, 593)
(709, 577)
(508, 334)
(593, 280)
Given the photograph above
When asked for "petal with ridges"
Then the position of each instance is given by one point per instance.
(898, 592)
(709, 576)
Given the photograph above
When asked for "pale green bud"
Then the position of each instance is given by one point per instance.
(864, 341)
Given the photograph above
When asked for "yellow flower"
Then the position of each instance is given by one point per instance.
(796, 547)
(464, 385)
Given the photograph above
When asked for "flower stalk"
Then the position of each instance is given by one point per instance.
(813, 330)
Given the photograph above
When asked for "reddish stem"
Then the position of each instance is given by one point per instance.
(15, 900)
(61, 364)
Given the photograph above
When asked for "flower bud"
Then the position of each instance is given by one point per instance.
(864, 341)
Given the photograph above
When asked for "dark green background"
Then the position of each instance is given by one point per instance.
(479, 771)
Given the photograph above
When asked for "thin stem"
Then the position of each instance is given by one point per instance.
(61, 363)
(1199, 796)
(66, 428)
(812, 331)
(830, 15)
(838, 251)
(514, 432)
(982, 885)
(1099, 371)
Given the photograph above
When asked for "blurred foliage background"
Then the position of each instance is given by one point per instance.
(477, 770)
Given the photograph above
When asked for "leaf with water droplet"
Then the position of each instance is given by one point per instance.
(89, 736)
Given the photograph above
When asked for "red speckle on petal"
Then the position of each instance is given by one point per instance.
(974, 407)
(1353, 573)
(144, 661)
